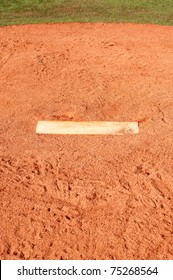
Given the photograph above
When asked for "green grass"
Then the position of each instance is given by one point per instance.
(37, 11)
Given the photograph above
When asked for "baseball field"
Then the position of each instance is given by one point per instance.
(86, 196)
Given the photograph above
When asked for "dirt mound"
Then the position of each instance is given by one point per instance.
(86, 197)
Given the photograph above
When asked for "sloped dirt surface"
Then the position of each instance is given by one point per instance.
(86, 197)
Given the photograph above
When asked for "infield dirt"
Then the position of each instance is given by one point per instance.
(86, 197)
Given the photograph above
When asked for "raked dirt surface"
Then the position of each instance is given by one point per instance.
(86, 197)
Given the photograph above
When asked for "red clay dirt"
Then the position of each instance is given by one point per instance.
(86, 197)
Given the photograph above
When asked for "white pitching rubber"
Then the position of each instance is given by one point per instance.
(91, 128)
